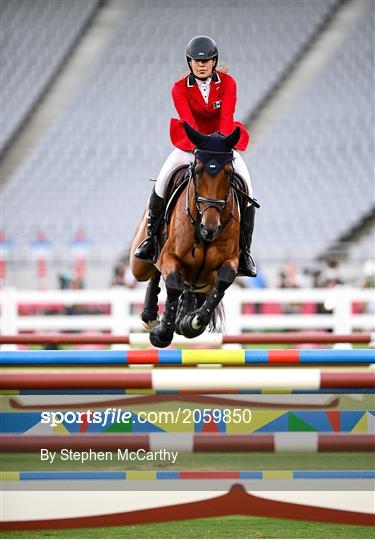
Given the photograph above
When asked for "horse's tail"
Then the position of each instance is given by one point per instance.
(217, 321)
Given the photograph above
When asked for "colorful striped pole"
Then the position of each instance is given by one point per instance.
(189, 357)
(186, 442)
(14, 476)
(206, 381)
(142, 338)
(139, 395)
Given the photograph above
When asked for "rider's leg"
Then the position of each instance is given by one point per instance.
(176, 159)
(148, 249)
(246, 264)
(241, 169)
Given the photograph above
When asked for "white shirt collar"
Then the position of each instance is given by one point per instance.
(206, 83)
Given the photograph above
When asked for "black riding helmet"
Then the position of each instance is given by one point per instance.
(202, 48)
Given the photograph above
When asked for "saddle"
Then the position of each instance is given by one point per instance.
(177, 183)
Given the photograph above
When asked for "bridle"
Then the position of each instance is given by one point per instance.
(219, 204)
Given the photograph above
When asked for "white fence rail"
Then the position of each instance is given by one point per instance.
(122, 319)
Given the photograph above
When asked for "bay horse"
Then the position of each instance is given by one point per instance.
(200, 245)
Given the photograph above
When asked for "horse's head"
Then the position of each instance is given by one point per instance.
(212, 176)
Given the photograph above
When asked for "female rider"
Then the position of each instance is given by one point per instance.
(205, 99)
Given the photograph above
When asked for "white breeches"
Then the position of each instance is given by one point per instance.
(177, 158)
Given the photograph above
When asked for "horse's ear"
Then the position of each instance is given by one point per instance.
(194, 136)
(232, 139)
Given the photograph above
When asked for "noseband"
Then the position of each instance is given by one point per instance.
(219, 204)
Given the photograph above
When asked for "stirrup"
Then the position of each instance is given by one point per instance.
(250, 270)
(156, 251)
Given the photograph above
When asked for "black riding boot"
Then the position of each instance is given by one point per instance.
(246, 265)
(148, 250)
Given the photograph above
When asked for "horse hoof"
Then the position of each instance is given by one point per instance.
(191, 327)
(160, 338)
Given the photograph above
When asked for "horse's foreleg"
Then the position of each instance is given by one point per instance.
(162, 335)
(149, 314)
(186, 305)
(226, 275)
(224, 279)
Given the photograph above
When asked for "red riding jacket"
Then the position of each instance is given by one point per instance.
(216, 115)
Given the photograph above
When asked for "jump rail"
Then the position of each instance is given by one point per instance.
(140, 395)
(142, 338)
(212, 442)
(189, 357)
(204, 380)
(14, 476)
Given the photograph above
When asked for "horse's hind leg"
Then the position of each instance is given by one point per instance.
(162, 334)
(149, 314)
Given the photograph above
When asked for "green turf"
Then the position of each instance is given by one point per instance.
(227, 527)
(217, 461)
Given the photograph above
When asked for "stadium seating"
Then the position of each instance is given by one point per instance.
(92, 166)
(313, 170)
(35, 38)
(365, 248)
